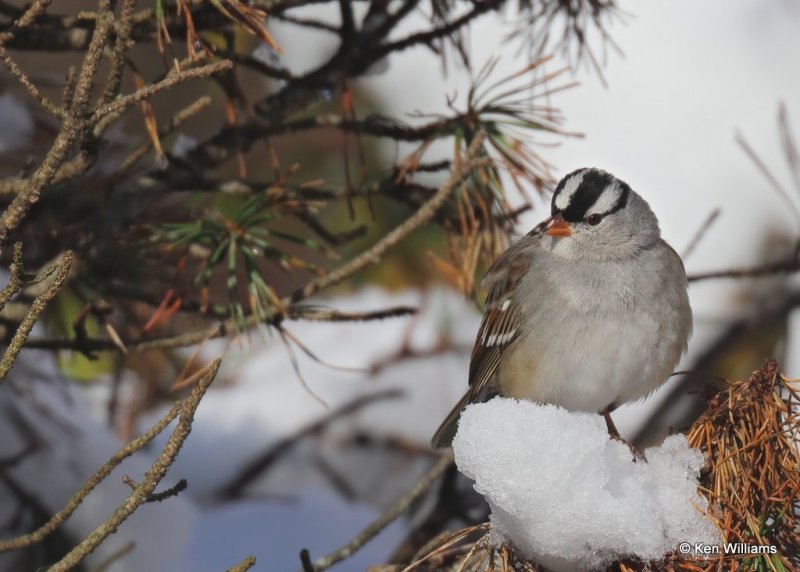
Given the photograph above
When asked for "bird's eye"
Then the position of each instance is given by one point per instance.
(595, 219)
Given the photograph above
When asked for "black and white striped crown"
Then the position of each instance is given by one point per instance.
(589, 191)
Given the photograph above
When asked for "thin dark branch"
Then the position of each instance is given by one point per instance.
(308, 23)
(762, 167)
(154, 475)
(701, 232)
(115, 557)
(61, 516)
(347, 31)
(260, 464)
(305, 560)
(444, 31)
(423, 214)
(124, 102)
(62, 268)
(394, 511)
(254, 63)
(785, 266)
(316, 313)
(173, 491)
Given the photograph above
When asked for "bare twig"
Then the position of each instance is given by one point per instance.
(305, 560)
(787, 265)
(31, 13)
(789, 146)
(701, 232)
(172, 491)
(15, 280)
(263, 461)
(313, 313)
(425, 38)
(71, 168)
(394, 511)
(348, 21)
(173, 78)
(71, 129)
(423, 215)
(61, 516)
(762, 167)
(114, 557)
(25, 81)
(39, 304)
(245, 564)
(122, 44)
(294, 312)
(308, 23)
(27, 18)
(153, 476)
(407, 352)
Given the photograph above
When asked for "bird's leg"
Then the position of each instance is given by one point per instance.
(614, 433)
(612, 429)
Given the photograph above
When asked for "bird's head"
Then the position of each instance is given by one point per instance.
(596, 216)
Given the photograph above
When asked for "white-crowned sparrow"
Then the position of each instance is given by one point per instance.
(587, 311)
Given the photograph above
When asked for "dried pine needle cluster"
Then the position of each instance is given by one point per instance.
(471, 548)
(749, 435)
(752, 477)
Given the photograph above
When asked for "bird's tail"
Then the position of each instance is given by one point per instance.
(447, 430)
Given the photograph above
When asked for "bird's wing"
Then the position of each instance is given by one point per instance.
(498, 330)
(500, 325)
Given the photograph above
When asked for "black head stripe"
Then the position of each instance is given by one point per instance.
(560, 187)
(592, 185)
(625, 190)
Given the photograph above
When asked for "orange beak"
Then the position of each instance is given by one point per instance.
(558, 227)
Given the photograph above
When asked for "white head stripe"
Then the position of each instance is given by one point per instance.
(607, 199)
(570, 186)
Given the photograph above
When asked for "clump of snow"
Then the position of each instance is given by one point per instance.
(568, 497)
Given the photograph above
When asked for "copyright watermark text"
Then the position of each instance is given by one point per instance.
(727, 548)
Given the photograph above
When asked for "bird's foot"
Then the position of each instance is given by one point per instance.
(636, 453)
(614, 434)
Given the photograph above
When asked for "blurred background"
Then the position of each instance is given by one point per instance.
(301, 159)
